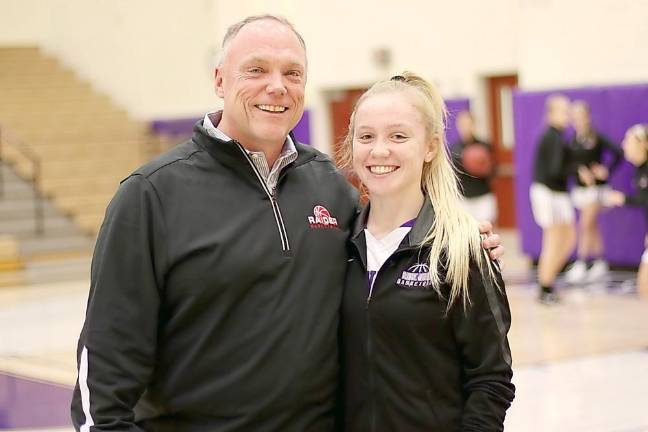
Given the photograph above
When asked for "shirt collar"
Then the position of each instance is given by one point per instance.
(214, 132)
(417, 234)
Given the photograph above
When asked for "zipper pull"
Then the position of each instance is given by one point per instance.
(369, 297)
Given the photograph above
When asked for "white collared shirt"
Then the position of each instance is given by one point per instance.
(271, 176)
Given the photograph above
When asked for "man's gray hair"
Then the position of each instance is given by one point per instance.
(235, 28)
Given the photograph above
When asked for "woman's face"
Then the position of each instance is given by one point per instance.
(580, 119)
(390, 145)
(635, 150)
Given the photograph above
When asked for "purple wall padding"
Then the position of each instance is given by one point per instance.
(454, 106)
(179, 129)
(302, 130)
(614, 109)
(25, 403)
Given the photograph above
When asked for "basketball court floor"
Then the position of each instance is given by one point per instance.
(581, 365)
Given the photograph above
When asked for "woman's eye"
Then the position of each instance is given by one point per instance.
(399, 137)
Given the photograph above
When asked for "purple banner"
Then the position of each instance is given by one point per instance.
(454, 106)
(613, 110)
(180, 129)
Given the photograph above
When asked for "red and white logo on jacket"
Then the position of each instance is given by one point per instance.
(322, 218)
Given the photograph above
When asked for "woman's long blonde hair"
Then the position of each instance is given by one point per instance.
(454, 236)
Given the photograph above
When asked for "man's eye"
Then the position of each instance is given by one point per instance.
(399, 137)
(295, 73)
(255, 70)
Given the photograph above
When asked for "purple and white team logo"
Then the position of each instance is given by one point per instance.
(417, 276)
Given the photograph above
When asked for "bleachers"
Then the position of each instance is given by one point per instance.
(85, 144)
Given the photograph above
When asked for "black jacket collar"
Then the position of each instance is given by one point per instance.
(416, 235)
(230, 153)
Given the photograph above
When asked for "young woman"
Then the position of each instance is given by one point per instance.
(587, 149)
(425, 314)
(552, 209)
(635, 149)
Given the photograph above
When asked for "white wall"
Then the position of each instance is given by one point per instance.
(582, 42)
(154, 56)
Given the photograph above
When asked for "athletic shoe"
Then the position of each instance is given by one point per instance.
(577, 272)
(598, 271)
(548, 298)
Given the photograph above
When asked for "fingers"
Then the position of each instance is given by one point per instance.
(485, 227)
(497, 253)
(492, 241)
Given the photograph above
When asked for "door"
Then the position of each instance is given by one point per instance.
(500, 106)
(341, 103)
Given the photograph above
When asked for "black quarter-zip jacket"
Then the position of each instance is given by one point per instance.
(214, 302)
(409, 367)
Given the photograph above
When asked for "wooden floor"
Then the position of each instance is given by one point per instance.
(594, 330)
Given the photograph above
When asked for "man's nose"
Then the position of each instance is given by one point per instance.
(276, 84)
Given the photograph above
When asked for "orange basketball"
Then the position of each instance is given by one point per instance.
(477, 160)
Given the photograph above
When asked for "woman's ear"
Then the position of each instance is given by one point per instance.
(432, 147)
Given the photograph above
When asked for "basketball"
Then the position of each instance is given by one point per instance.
(477, 160)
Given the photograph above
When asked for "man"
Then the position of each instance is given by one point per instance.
(552, 208)
(479, 199)
(217, 275)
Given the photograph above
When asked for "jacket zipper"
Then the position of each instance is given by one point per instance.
(372, 382)
(285, 246)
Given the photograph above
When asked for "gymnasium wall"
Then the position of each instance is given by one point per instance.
(155, 58)
(614, 109)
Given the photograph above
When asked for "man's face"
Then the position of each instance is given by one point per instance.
(262, 80)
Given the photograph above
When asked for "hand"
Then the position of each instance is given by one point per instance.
(586, 176)
(491, 242)
(600, 172)
(614, 198)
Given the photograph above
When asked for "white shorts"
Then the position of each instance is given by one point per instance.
(550, 207)
(482, 208)
(582, 196)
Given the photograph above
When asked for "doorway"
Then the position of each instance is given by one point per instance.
(499, 100)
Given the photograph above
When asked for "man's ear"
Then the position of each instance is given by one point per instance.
(432, 147)
(218, 82)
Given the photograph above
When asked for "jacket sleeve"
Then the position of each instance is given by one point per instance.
(616, 153)
(481, 333)
(117, 346)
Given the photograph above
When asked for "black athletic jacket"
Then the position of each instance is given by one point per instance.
(407, 366)
(586, 151)
(553, 164)
(214, 304)
(640, 199)
(471, 186)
